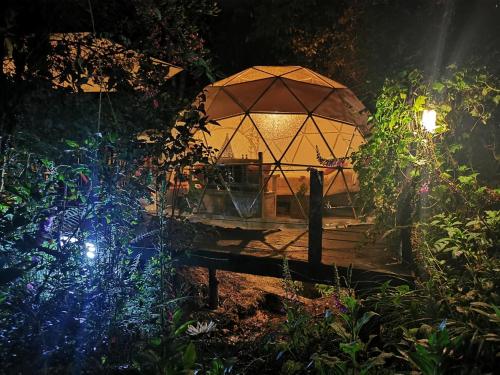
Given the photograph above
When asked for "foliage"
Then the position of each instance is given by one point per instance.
(447, 323)
(341, 342)
(446, 182)
(75, 173)
(400, 158)
(169, 353)
(429, 359)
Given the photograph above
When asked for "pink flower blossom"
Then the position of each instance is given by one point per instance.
(424, 189)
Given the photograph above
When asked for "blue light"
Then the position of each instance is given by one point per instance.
(91, 249)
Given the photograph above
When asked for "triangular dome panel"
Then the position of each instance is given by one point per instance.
(250, 92)
(248, 76)
(219, 134)
(278, 126)
(277, 70)
(327, 125)
(305, 76)
(356, 108)
(338, 137)
(292, 154)
(278, 99)
(210, 93)
(333, 107)
(223, 106)
(329, 81)
(278, 130)
(245, 141)
(310, 96)
(309, 127)
(224, 81)
(303, 148)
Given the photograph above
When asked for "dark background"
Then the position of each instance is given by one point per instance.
(358, 43)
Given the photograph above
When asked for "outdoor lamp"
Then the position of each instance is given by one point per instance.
(90, 247)
(429, 120)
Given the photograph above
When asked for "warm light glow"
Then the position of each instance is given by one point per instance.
(429, 120)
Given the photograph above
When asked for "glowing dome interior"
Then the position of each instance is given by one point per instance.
(274, 123)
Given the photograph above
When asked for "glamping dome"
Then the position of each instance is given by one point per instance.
(275, 122)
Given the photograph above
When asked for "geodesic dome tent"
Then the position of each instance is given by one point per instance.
(274, 123)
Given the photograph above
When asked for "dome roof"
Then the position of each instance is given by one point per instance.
(284, 89)
(273, 124)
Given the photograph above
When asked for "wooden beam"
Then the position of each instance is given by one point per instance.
(315, 217)
(261, 182)
(300, 270)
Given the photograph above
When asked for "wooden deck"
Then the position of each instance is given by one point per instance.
(357, 257)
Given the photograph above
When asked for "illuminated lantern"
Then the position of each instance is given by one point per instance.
(429, 120)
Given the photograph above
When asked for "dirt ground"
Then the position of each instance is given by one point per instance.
(249, 314)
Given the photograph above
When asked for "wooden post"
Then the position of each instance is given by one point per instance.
(261, 182)
(315, 217)
(404, 216)
(213, 294)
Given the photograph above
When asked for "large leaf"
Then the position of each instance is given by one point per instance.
(364, 319)
(189, 356)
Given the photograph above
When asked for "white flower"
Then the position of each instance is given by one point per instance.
(201, 328)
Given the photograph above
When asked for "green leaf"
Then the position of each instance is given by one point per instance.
(183, 328)
(351, 348)
(176, 318)
(419, 103)
(72, 144)
(364, 319)
(438, 86)
(466, 179)
(156, 341)
(424, 360)
(189, 356)
(350, 302)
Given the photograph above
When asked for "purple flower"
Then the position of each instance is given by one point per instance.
(339, 305)
(30, 288)
(35, 259)
(47, 224)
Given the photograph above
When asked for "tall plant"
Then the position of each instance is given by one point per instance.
(448, 182)
(452, 169)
